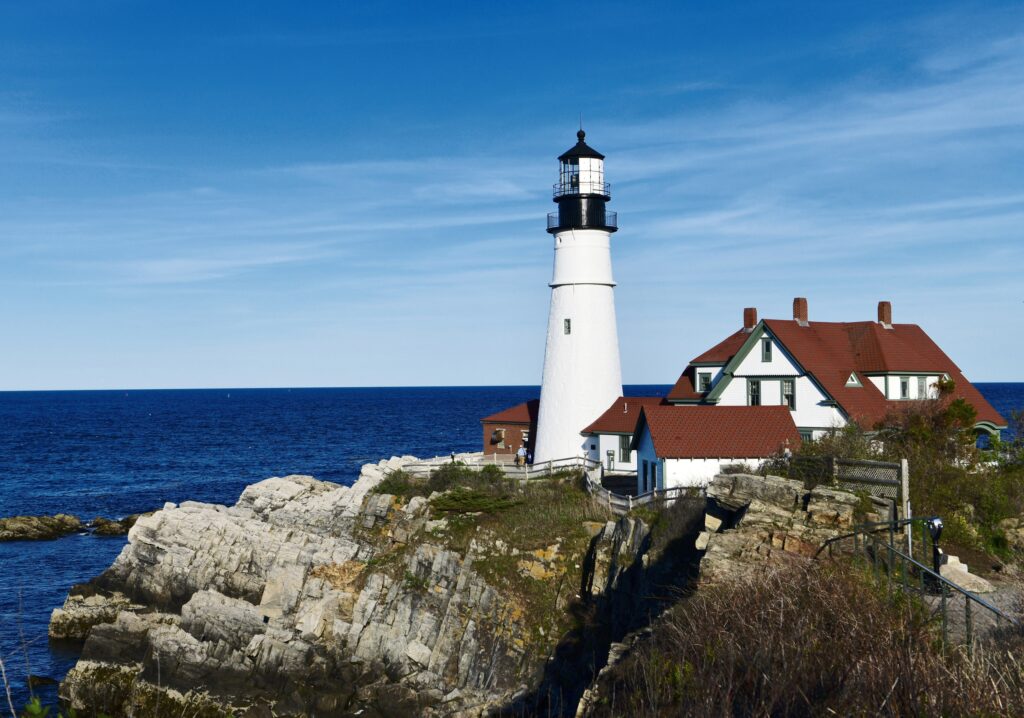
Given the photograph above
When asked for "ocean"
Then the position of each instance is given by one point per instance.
(113, 453)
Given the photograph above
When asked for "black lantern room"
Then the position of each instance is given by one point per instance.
(581, 192)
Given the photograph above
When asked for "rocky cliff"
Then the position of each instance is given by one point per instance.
(310, 598)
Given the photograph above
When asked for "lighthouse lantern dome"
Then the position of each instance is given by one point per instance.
(581, 171)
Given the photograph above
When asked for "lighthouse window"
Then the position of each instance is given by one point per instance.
(567, 326)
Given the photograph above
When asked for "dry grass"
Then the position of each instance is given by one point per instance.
(343, 576)
(802, 640)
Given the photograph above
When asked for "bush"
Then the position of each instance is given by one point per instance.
(397, 483)
(465, 500)
(804, 640)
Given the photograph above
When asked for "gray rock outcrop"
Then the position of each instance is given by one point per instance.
(310, 598)
(38, 528)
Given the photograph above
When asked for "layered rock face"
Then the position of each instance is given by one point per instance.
(309, 598)
(753, 519)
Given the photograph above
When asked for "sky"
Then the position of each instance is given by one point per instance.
(354, 194)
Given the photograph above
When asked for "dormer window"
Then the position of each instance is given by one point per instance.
(853, 381)
(703, 381)
(766, 350)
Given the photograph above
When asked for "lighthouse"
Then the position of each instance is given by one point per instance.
(582, 375)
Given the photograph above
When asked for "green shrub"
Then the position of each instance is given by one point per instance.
(465, 500)
(398, 483)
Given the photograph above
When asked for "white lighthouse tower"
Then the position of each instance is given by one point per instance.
(582, 375)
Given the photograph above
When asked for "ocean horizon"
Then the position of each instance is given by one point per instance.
(113, 452)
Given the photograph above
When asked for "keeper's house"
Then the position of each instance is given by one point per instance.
(826, 374)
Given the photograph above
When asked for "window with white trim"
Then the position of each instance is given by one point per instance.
(922, 387)
(703, 381)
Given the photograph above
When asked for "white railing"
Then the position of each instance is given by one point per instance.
(619, 504)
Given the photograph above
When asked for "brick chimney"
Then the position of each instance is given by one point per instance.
(800, 311)
(885, 314)
(749, 319)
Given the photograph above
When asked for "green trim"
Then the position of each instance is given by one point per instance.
(737, 359)
(707, 363)
(756, 333)
(989, 427)
(678, 402)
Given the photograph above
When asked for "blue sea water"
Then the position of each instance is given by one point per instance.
(112, 453)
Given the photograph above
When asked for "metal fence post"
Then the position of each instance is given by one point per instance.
(945, 632)
(969, 626)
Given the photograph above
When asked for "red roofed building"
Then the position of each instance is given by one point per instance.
(510, 428)
(688, 445)
(608, 439)
(827, 373)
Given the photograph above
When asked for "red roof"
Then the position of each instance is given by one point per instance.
(832, 350)
(621, 416)
(525, 413)
(735, 432)
(724, 350)
(683, 389)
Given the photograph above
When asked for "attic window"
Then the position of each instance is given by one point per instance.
(853, 380)
(703, 381)
(766, 350)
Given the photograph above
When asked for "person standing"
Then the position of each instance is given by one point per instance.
(521, 456)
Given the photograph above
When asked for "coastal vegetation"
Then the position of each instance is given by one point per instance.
(978, 491)
(806, 639)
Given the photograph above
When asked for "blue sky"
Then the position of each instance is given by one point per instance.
(353, 194)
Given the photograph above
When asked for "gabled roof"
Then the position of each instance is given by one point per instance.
(830, 350)
(703, 432)
(525, 413)
(621, 416)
